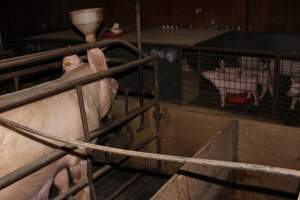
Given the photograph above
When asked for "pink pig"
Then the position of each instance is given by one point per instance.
(239, 86)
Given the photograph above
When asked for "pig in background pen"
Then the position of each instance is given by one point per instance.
(242, 76)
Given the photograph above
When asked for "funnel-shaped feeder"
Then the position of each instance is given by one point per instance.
(87, 21)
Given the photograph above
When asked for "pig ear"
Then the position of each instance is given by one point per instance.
(114, 86)
(71, 62)
(97, 60)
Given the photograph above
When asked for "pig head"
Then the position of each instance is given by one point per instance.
(58, 115)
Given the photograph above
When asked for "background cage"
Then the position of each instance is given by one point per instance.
(235, 70)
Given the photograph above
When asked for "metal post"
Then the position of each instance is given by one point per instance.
(276, 80)
(87, 138)
(17, 83)
(157, 112)
(1, 42)
(141, 76)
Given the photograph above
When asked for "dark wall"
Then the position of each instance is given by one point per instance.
(35, 16)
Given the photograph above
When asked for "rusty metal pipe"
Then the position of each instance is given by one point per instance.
(31, 70)
(52, 54)
(53, 90)
(45, 160)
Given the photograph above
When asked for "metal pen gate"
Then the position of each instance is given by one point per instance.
(77, 84)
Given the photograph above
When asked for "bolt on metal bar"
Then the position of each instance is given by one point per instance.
(45, 160)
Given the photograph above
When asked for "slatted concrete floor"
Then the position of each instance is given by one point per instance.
(143, 187)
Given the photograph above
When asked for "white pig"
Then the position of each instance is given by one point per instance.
(294, 92)
(238, 86)
(263, 78)
(58, 115)
(262, 75)
(287, 67)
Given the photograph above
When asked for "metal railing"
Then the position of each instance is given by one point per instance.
(7, 103)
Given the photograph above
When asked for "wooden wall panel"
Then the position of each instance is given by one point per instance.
(265, 15)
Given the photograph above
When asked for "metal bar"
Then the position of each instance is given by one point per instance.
(87, 138)
(157, 112)
(17, 83)
(83, 113)
(138, 23)
(102, 171)
(141, 77)
(276, 89)
(62, 87)
(45, 160)
(54, 65)
(1, 42)
(153, 156)
(244, 52)
(123, 187)
(31, 70)
(52, 54)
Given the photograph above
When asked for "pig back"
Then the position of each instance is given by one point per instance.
(58, 115)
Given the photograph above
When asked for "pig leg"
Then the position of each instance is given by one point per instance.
(293, 104)
(255, 97)
(61, 181)
(271, 89)
(264, 90)
(79, 173)
(223, 96)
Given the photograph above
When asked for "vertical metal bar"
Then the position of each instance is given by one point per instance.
(1, 42)
(17, 83)
(157, 112)
(141, 78)
(182, 78)
(87, 138)
(276, 80)
(138, 24)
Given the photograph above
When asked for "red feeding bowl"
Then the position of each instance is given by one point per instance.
(238, 99)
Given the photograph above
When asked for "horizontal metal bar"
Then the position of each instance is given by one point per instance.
(102, 171)
(162, 157)
(52, 54)
(45, 160)
(31, 70)
(45, 67)
(62, 87)
(245, 52)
